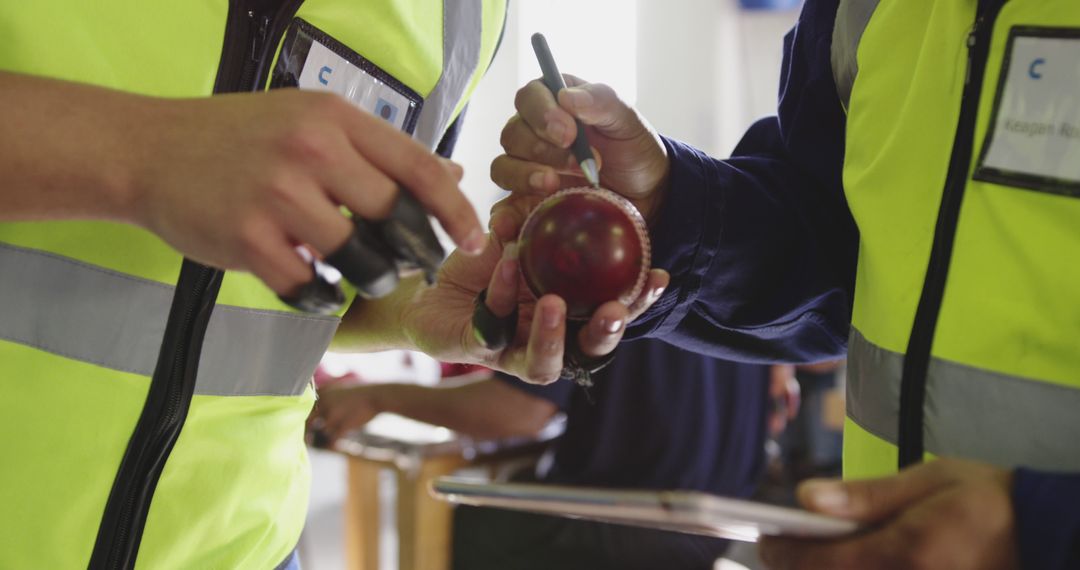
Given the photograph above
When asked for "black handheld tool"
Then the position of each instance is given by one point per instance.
(373, 256)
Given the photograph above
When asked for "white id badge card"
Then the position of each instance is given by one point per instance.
(1034, 137)
(311, 59)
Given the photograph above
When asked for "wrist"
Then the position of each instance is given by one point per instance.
(144, 133)
(379, 324)
(68, 145)
(379, 397)
(407, 325)
(388, 398)
(651, 204)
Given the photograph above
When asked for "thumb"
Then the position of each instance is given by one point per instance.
(872, 499)
(598, 105)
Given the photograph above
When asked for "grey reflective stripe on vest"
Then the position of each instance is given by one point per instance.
(98, 316)
(852, 16)
(970, 412)
(463, 22)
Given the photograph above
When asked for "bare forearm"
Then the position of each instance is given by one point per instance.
(65, 149)
(372, 325)
(485, 409)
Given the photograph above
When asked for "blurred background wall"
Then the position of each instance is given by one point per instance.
(700, 70)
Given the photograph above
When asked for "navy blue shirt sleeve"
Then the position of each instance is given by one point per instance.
(1047, 507)
(761, 246)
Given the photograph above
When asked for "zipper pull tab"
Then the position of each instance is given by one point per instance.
(260, 35)
(972, 39)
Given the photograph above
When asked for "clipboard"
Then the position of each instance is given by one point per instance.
(689, 512)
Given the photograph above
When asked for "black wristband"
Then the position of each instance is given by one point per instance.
(493, 332)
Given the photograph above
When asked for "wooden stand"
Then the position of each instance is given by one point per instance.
(424, 524)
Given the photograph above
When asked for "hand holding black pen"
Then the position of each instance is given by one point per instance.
(553, 79)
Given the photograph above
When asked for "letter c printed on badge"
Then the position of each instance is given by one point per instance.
(1033, 69)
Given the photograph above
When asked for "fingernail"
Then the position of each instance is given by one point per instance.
(557, 131)
(827, 495)
(611, 326)
(579, 97)
(657, 293)
(475, 242)
(536, 180)
(550, 317)
(510, 251)
(509, 269)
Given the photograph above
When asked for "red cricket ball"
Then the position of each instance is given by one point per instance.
(587, 246)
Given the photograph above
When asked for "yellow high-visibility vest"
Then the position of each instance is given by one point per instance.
(150, 415)
(966, 336)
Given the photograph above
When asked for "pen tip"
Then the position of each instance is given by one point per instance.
(591, 172)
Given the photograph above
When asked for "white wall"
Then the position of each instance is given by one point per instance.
(705, 70)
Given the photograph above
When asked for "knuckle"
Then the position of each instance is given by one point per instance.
(251, 238)
(307, 144)
(521, 97)
(383, 187)
(383, 191)
(376, 200)
(943, 469)
(974, 505)
(872, 497)
(282, 188)
(607, 96)
(429, 172)
(862, 495)
(540, 151)
(506, 137)
(326, 104)
(604, 90)
(548, 348)
(496, 174)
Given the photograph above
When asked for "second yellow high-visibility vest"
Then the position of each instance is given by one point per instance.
(966, 336)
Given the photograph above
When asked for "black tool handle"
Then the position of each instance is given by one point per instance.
(373, 255)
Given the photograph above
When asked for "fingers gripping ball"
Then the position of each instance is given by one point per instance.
(586, 245)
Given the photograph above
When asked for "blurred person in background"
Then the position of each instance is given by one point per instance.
(658, 417)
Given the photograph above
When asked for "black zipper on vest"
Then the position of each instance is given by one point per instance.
(917, 358)
(250, 34)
